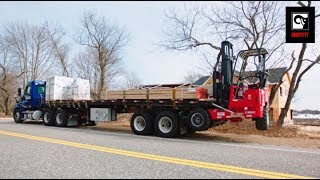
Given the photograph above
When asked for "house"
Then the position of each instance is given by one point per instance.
(280, 96)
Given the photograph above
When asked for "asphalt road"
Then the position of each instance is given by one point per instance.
(32, 150)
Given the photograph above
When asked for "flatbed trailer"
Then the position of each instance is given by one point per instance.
(171, 115)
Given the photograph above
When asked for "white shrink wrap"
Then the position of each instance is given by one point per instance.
(66, 88)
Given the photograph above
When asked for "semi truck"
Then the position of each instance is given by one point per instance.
(235, 95)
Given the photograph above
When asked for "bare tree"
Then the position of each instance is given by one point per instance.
(192, 76)
(59, 48)
(8, 79)
(30, 47)
(106, 40)
(132, 80)
(87, 68)
(256, 23)
(185, 32)
(303, 65)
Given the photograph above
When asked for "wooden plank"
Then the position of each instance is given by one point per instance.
(136, 96)
(114, 92)
(170, 91)
(160, 96)
(113, 96)
(136, 91)
(170, 96)
(186, 90)
(186, 96)
(159, 93)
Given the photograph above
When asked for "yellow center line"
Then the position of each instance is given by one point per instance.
(199, 164)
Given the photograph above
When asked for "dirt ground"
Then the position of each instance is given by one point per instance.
(243, 132)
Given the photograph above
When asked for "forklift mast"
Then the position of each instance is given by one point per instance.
(223, 78)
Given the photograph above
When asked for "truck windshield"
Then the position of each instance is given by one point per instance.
(27, 90)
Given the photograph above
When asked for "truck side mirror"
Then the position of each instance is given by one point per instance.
(19, 92)
(16, 98)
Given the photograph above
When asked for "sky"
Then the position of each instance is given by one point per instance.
(144, 21)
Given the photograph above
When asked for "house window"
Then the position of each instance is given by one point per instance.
(281, 91)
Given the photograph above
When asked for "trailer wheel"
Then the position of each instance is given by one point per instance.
(61, 118)
(167, 125)
(141, 123)
(48, 117)
(17, 116)
(198, 120)
(263, 123)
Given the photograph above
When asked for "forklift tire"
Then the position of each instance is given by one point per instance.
(48, 117)
(141, 123)
(61, 118)
(198, 120)
(263, 123)
(166, 125)
(17, 116)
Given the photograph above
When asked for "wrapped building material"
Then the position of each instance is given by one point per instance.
(156, 93)
(66, 88)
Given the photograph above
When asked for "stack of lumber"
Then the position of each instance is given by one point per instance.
(158, 93)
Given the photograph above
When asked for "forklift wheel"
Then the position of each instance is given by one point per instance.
(198, 120)
(263, 123)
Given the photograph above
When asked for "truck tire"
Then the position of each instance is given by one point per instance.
(141, 123)
(263, 123)
(61, 118)
(198, 120)
(17, 116)
(166, 125)
(48, 117)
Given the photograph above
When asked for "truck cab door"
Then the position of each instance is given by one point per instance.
(26, 97)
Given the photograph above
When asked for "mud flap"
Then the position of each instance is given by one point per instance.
(183, 125)
(73, 120)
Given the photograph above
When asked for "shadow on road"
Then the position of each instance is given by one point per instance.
(8, 121)
(198, 136)
(205, 136)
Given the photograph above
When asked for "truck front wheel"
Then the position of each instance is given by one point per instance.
(61, 119)
(17, 116)
(48, 117)
(141, 123)
(167, 125)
